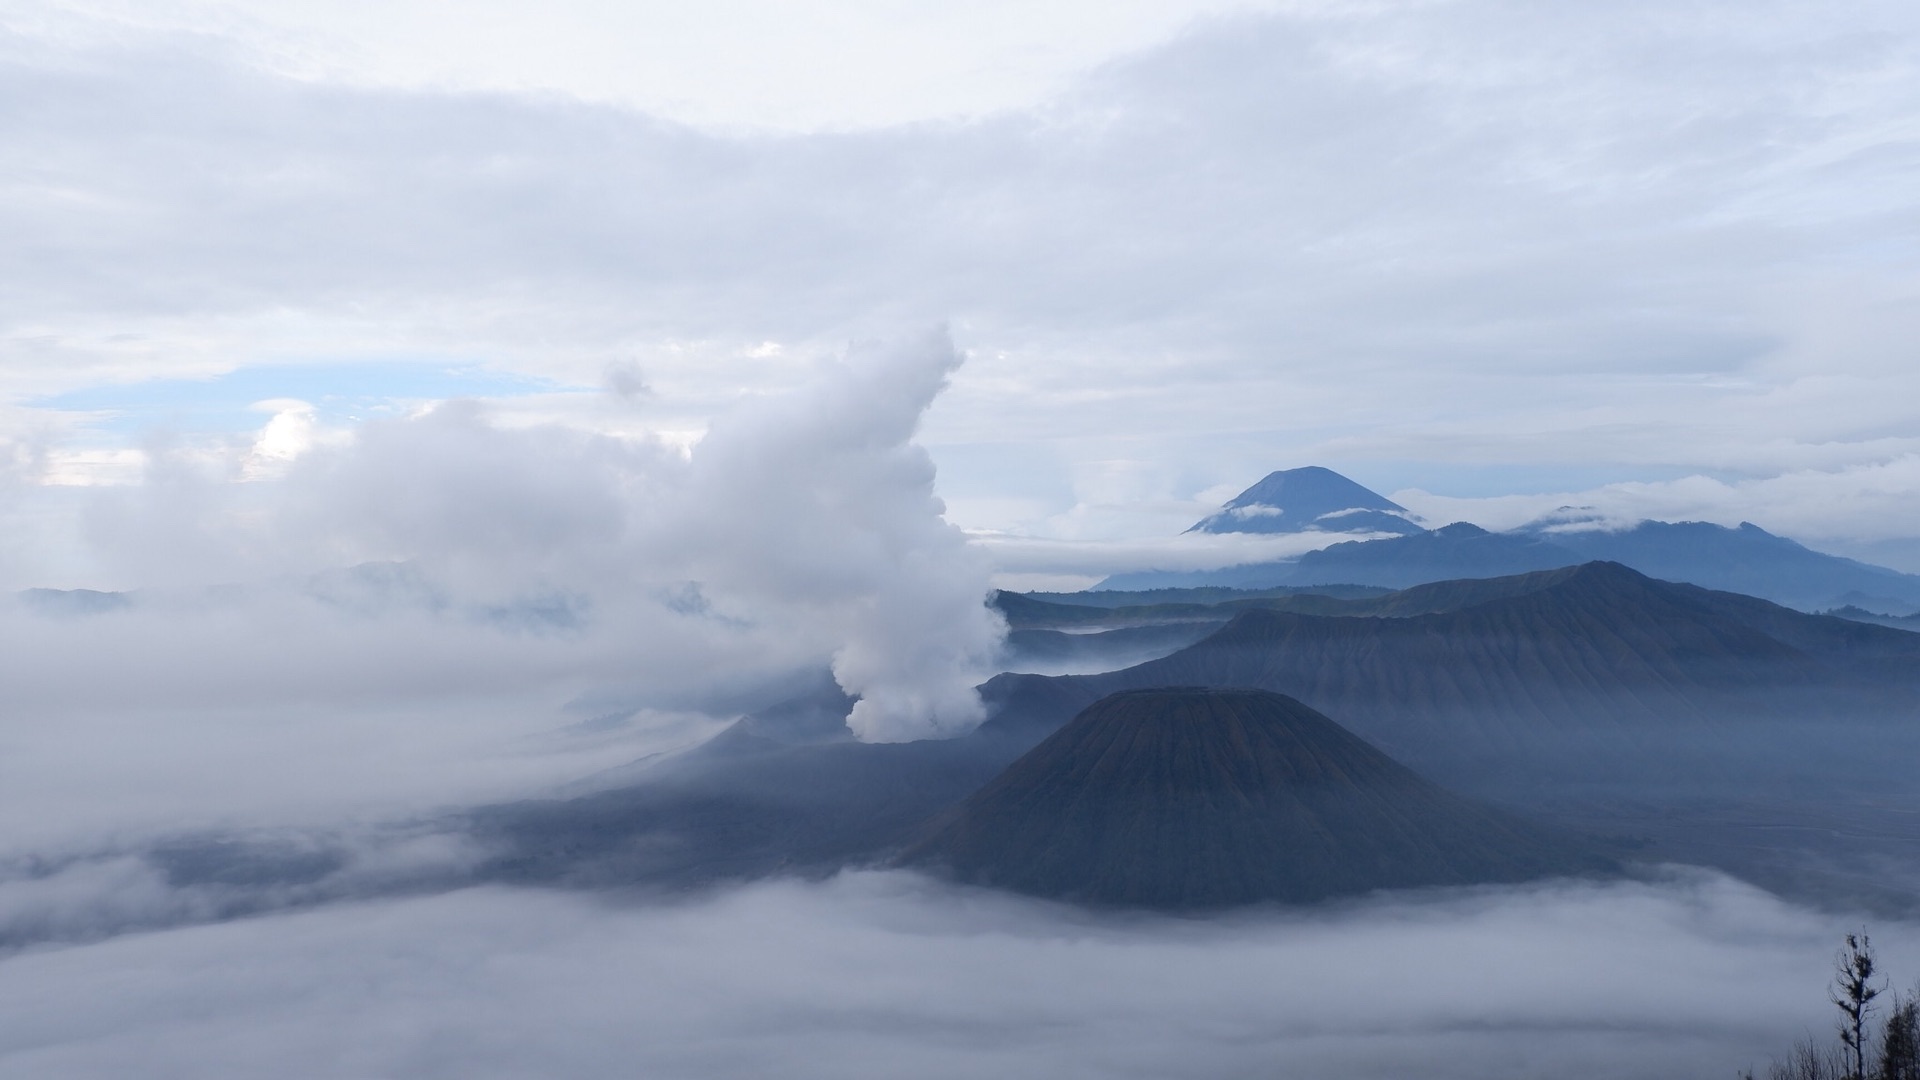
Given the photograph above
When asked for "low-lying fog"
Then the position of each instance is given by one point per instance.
(444, 609)
(535, 606)
(887, 975)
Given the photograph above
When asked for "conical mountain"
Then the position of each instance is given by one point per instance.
(1311, 499)
(1193, 798)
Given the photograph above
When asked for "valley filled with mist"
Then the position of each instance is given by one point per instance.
(1170, 539)
(610, 772)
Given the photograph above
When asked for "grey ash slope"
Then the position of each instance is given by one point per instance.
(1191, 798)
(760, 798)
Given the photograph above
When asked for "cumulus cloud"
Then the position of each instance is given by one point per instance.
(431, 610)
(831, 507)
(887, 974)
(1641, 237)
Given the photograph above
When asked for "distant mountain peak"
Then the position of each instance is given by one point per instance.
(1309, 499)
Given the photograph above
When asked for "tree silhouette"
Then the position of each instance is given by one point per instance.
(1853, 993)
(1895, 1046)
(1900, 1041)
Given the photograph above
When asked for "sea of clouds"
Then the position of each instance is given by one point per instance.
(234, 845)
(1666, 238)
(886, 974)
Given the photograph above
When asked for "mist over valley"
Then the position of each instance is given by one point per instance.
(1180, 538)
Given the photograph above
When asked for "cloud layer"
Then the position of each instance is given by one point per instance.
(440, 609)
(1556, 247)
(1403, 239)
(744, 63)
(885, 975)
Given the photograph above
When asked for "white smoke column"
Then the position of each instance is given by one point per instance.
(509, 578)
(834, 511)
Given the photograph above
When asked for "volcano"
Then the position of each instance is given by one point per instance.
(1193, 798)
(1312, 499)
(1530, 687)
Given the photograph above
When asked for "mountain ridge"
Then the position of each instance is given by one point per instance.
(1564, 675)
(1744, 559)
(1681, 699)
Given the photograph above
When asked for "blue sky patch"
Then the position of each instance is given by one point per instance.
(340, 394)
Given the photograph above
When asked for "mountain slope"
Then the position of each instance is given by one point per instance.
(1589, 695)
(1575, 675)
(1191, 798)
(1311, 499)
(1459, 550)
(1747, 559)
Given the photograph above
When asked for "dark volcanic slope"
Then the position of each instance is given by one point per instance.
(1587, 673)
(1626, 706)
(1195, 798)
(741, 806)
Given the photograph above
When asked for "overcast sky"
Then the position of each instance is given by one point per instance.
(1455, 249)
(650, 360)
